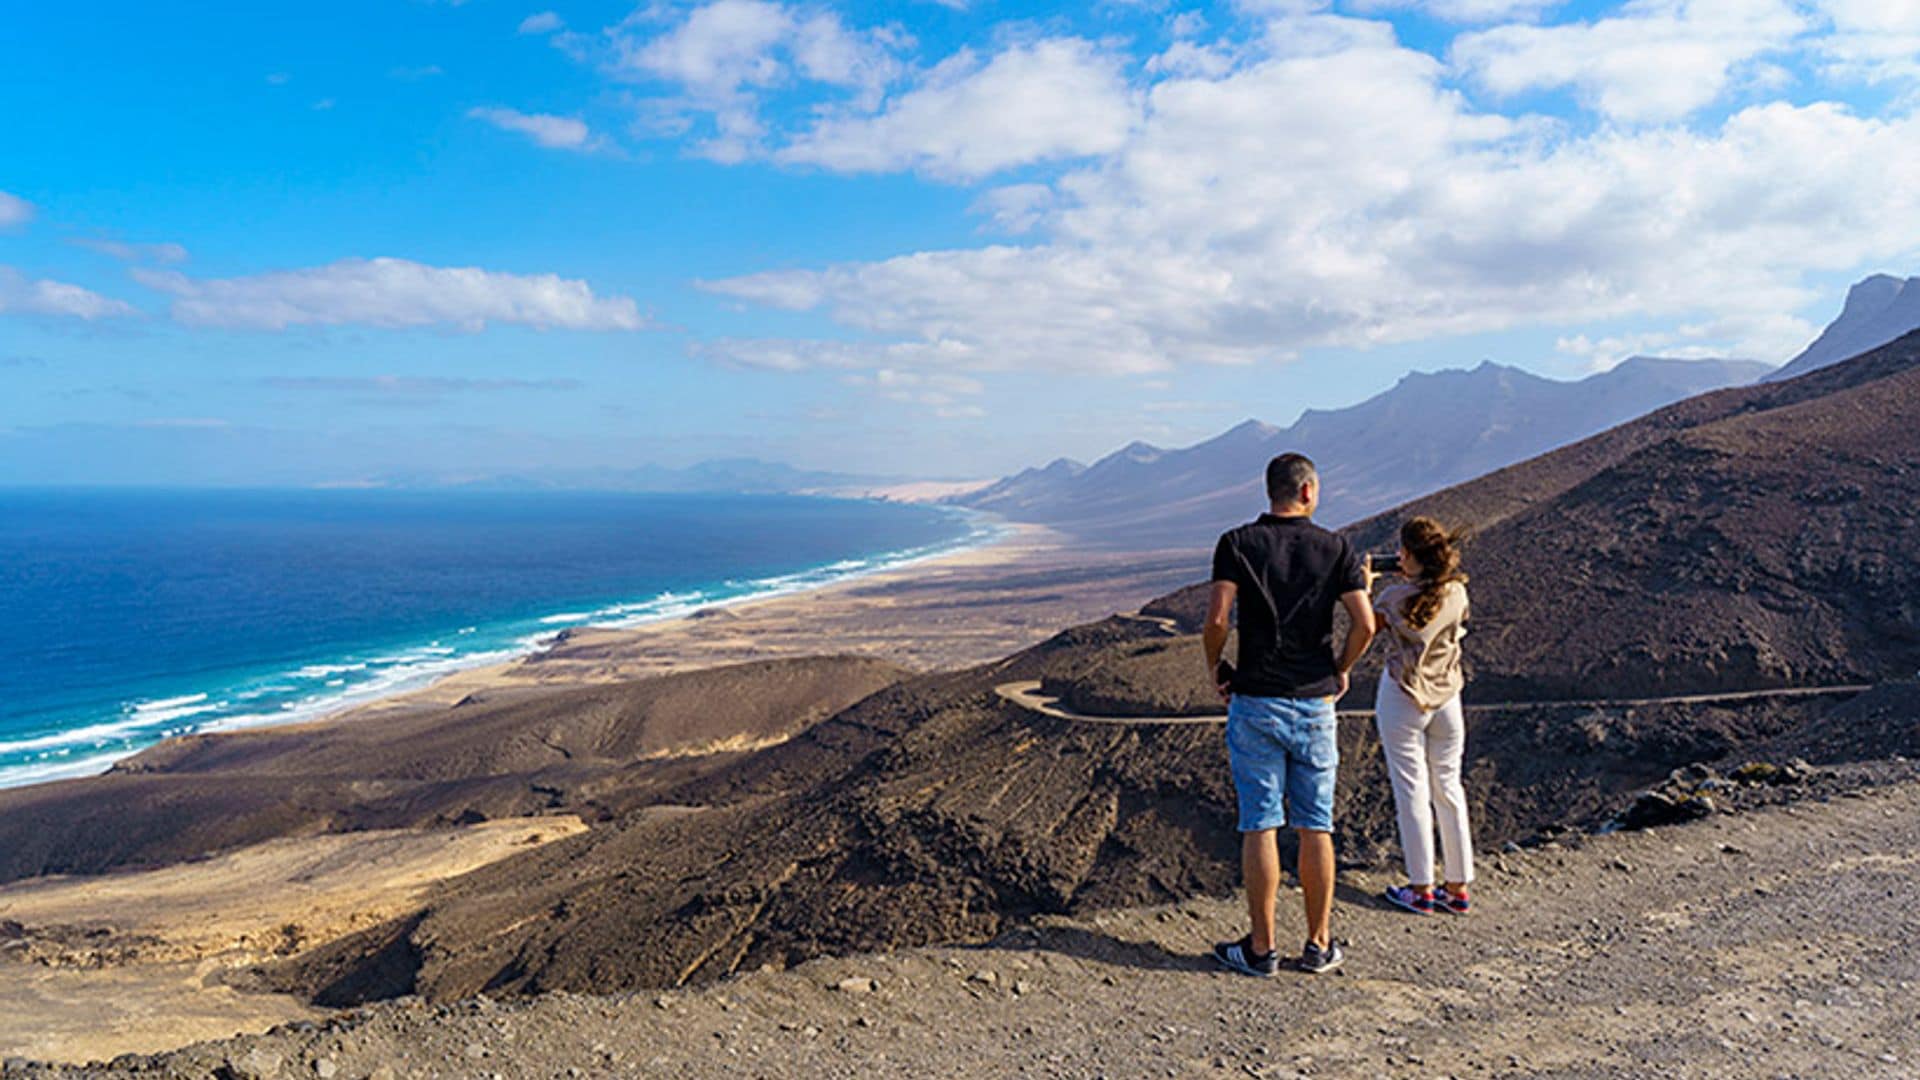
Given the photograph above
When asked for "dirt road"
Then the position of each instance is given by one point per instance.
(1027, 695)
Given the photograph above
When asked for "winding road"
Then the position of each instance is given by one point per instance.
(1027, 695)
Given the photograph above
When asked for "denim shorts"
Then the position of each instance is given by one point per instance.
(1283, 747)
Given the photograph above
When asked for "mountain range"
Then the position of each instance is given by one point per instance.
(1878, 309)
(1757, 536)
(1427, 432)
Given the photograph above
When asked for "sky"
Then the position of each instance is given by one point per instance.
(398, 241)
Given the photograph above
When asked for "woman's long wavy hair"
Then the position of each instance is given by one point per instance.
(1439, 554)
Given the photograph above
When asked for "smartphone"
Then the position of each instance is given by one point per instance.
(1386, 564)
(1223, 673)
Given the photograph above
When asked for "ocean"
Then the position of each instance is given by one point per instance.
(127, 617)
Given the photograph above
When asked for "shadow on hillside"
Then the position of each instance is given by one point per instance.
(1348, 895)
(1083, 944)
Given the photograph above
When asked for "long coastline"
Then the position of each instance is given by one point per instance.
(425, 667)
(938, 611)
(995, 589)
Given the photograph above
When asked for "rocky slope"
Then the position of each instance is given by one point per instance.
(1693, 968)
(596, 751)
(935, 811)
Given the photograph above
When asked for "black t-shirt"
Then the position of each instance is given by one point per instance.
(1290, 575)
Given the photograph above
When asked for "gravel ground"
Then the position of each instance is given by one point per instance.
(1776, 942)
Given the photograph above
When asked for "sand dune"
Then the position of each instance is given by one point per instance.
(93, 967)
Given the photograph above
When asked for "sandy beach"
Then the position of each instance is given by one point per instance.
(156, 947)
(131, 961)
(939, 613)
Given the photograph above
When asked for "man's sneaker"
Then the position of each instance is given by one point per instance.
(1420, 903)
(1239, 956)
(1445, 899)
(1315, 960)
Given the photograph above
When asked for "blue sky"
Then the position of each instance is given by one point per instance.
(397, 239)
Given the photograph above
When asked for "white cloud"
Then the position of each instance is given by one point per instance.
(727, 45)
(14, 210)
(1333, 190)
(1191, 58)
(555, 132)
(542, 22)
(1186, 24)
(125, 252)
(391, 293)
(409, 386)
(939, 393)
(724, 54)
(1055, 98)
(202, 423)
(1017, 208)
(1656, 60)
(1464, 11)
(1872, 40)
(22, 295)
(1771, 335)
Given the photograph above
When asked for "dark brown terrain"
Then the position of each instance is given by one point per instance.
(1704, 972)
(1745, 539)
(597, 751)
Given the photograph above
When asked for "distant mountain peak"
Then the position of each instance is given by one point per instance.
(1250, 428)
(1879, 308)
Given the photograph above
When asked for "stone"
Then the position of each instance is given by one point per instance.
(856, 984)
(256, 1064)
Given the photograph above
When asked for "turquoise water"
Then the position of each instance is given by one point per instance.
(128, 617)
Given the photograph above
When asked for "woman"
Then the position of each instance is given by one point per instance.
(1417, 712)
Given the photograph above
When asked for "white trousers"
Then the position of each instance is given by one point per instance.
(1423, 752)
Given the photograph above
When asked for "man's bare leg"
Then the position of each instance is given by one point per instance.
(1260, 868)
(1316, 884)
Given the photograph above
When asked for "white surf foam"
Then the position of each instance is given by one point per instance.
(409, 669)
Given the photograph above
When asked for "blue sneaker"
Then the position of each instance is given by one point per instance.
(1445, 899)
(1420, 903)
(1240, 957)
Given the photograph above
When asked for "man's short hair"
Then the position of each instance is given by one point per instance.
(1287, 474)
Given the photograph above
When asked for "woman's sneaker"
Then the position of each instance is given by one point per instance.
(1420, 903)
(1239, 956)
(1445, 899)
(1315, 960)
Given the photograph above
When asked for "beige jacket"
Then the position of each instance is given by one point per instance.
(1424, 662)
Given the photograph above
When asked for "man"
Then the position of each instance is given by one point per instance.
(1287, 574)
